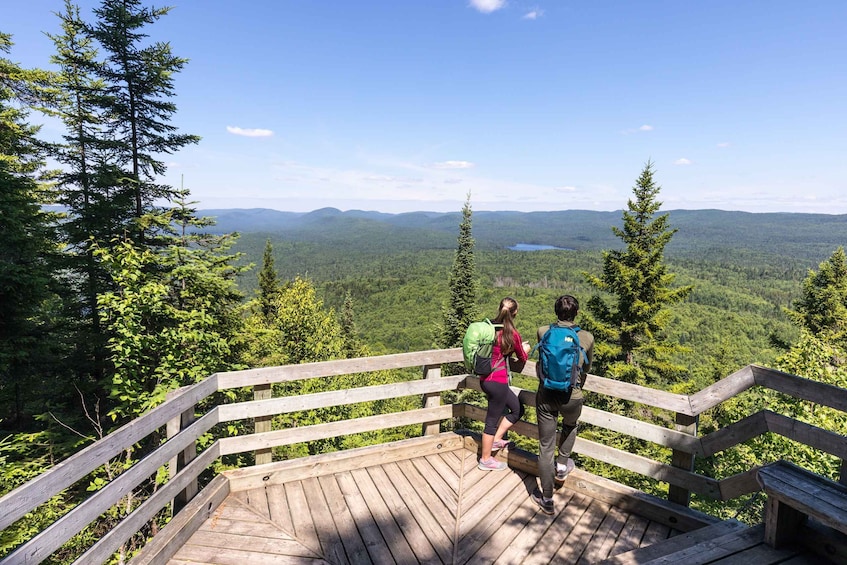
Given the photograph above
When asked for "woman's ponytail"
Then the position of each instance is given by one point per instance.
(506, 316)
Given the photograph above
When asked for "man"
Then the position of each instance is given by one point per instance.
(551, 403)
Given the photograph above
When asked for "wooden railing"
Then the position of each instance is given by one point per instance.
(178, 415)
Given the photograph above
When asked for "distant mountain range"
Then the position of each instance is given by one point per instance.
(787, 234)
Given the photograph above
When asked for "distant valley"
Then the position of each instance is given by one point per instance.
(805, 237)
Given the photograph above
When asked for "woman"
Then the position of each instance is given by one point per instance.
(496, 385)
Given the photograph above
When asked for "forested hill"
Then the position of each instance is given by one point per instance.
(810, 236)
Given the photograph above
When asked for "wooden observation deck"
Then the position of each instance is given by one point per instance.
(423, 499)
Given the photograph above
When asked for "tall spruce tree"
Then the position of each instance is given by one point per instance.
(139, 88)
(632, 343)
(268, 283)
(464, 287)
(96, 211)
(353, 346)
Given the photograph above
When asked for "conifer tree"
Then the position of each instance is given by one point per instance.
(96, 211)
(139, 87)
(462, 309)
(631, 333)
(822, 307)
(268, 283)
(353, 346)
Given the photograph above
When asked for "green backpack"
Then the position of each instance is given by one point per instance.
(477, 346)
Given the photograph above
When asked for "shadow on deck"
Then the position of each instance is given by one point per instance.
(425, 501)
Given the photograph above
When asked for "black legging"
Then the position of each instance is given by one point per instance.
(500, 396)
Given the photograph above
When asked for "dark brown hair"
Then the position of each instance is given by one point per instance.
(566, 308)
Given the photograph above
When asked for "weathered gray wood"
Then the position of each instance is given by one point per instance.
(631, 535)
(632, 500)
(739, 485)
(304, 526)
(416, 499)
(401, 510)
(354, 544)
(683, 459)
(278, 508)
(717, 548)
(51, 538)
(679, 440)
(649, 468)
(724, 389)
(579, 538)
(175, 426)
(824, 541)
(432, 399)
(795, 493)
(262, 424)
(603, 541)
(241, 444)
(287, 373)
(676, 543)
(400, 549)
(558, 530)
(640, 394)
(109, 543)
(798, 387)
(317, 400)
(734, 434)
(65, 473)
(801, 432)
(164, 545)
(328, 536)
(327, 463)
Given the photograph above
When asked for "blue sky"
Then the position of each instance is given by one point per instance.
(544, 105)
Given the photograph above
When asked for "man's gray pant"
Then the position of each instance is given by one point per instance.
(549, 405)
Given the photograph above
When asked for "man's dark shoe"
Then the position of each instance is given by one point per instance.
(546, 504)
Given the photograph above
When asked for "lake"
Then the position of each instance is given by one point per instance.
(535, 247)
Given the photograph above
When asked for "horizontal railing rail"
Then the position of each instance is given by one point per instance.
(683, 441)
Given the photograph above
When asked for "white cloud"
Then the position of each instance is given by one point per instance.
(682, 161)
(723, 144)
(453, 165)
(645, 127)
(249, 132)
(534, 14)
(487, 6)
(565, 189)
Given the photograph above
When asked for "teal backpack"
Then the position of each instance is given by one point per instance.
(560, 355)
(477, 346)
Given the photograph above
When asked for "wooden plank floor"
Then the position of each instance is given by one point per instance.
(437, 508)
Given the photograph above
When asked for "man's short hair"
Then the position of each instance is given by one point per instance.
(566, 308)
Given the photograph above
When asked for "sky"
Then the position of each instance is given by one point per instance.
(413, 105)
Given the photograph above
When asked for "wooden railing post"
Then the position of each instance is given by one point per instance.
(683, 460)
(262, 423)
(432, 400)
(185, 457)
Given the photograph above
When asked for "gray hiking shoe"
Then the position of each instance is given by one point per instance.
(546, 504)
(562, 471)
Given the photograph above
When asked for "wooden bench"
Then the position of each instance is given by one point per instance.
(794, 494)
